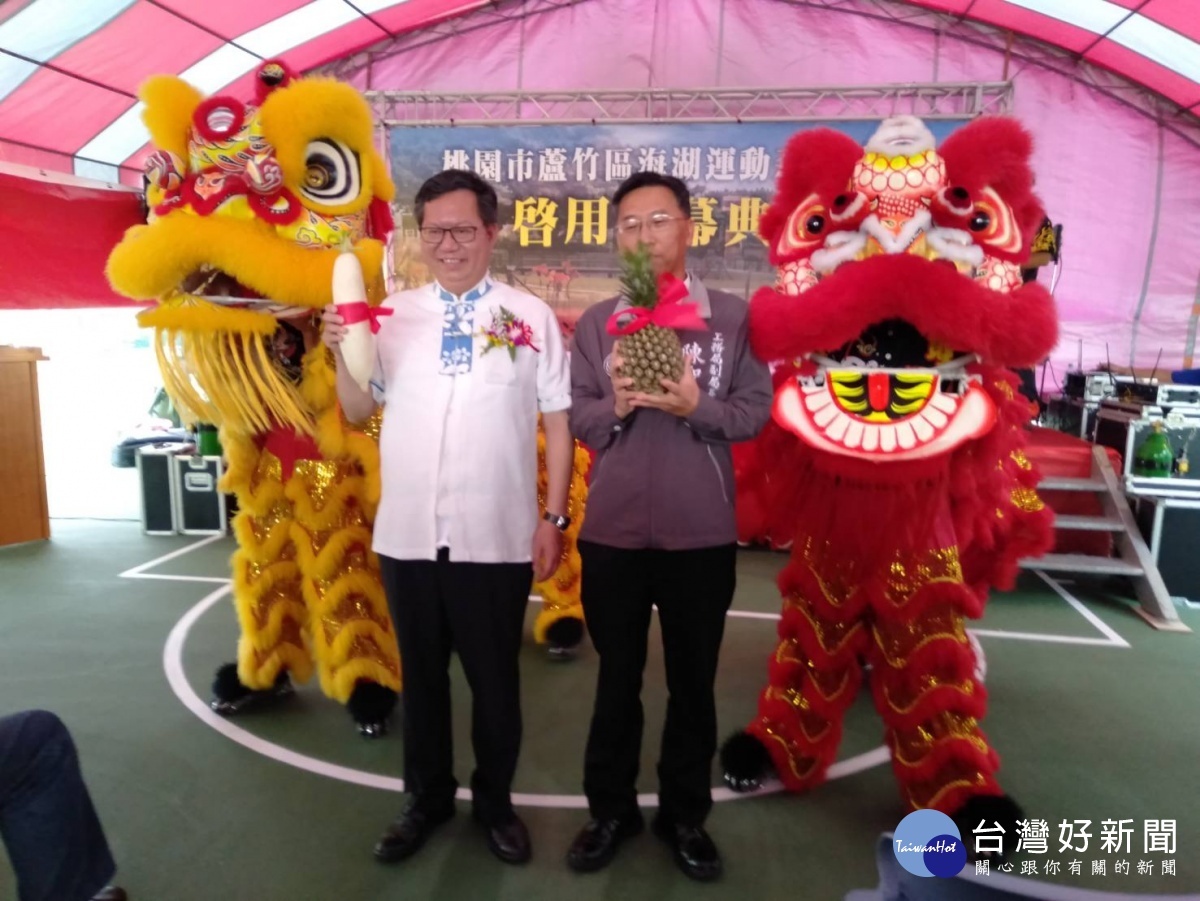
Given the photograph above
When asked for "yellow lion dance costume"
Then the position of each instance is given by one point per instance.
(249, 207)
(560, 622)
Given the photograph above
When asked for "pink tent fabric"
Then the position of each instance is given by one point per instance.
(1147, 41)
(68, 71)
(1126, 189)
(1125, 185)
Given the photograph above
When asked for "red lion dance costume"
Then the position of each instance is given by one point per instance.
(901, 307)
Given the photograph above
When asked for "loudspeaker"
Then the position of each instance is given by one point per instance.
(160, 490)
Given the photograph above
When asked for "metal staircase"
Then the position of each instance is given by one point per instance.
(1132, 559)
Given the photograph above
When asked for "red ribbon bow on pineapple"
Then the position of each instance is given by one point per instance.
(667, 313)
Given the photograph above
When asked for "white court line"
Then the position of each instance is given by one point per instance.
(168, 578)
(742, 614)
(1091, 617)
(1112, 639)
(1053, 639)
(138, 570)
(173, 666)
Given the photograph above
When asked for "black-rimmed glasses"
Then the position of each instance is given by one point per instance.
(462, 234)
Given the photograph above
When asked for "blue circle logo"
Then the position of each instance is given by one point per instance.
(927, 843)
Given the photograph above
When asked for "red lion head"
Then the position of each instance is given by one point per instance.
(900, 286)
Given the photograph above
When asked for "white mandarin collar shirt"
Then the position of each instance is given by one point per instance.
(458, 449)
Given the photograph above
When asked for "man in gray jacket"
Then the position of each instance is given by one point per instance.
(659, 531)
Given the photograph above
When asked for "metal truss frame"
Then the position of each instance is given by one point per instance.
(866, 102)
(1023, 52)
(721, 104)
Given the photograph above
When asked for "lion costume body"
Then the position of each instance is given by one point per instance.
(894, 462)
(249, 207)
(559, 624)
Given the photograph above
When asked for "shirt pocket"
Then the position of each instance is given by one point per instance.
(497, 367)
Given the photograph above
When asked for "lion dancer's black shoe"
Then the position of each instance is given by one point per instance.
(231, 697)
(371, 706)
(996, 818)
(563, 637)
(745, 763)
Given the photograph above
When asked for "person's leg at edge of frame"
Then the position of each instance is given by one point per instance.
(49, 825)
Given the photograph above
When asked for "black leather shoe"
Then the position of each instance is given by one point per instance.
(596, 844)
(692, 849)
(111, 893)
(510, 842)
(405, 836)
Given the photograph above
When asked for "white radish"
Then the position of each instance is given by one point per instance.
(350, 300)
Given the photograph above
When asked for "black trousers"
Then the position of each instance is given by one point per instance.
(478, 609)
(692, 590)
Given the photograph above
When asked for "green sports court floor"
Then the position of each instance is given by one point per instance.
(1095, 716)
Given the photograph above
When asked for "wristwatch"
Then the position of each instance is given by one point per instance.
(559, 522)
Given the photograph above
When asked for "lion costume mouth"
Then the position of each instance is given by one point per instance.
(250, 205)
(216, 286)
(889, 395)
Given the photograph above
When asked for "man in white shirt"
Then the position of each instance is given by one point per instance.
(464, 367)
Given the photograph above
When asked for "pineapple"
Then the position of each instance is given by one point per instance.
(652, 353)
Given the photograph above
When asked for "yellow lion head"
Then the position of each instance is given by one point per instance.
(250, 204)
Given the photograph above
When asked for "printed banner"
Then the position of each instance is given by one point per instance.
(555, 184)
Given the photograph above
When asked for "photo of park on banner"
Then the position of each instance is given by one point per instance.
(555, 183)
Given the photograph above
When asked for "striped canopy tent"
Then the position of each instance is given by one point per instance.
(1110, 90)
(1150, 42)
(69, 69)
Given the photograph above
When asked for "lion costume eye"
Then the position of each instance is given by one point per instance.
(331, 173)
(995, 225)
(318, 177)
(804, 229)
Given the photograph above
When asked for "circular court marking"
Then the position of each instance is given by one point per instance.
(173, 665)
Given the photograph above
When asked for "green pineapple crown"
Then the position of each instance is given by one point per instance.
(639, 284)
